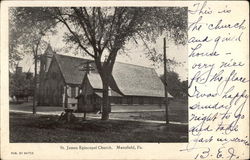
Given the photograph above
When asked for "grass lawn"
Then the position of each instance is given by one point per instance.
(178, 112)
(44, 129)
(177, 116)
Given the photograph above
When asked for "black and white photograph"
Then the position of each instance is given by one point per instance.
(98, 74)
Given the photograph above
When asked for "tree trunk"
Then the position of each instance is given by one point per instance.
(105, 102)
(105, 71)
(35, 90)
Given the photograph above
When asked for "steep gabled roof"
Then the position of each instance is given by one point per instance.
(133, 80)
(49, 51)
(48, 54)
(71, 68)
(95, 80)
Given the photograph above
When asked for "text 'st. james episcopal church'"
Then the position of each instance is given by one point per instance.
(64, 82)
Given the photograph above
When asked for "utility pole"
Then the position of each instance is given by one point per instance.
(165, 80)
(87, 69)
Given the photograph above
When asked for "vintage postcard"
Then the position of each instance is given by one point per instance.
(124, 80)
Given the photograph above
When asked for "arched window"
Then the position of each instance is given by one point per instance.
(73, 92)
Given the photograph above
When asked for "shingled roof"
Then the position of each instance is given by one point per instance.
(132, 80)
(95, 80)
(71, 68)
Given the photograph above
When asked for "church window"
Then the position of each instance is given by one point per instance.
(73, 92)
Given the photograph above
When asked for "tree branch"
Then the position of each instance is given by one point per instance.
(72, 32)
(109, 32)
(145, 44)
(79, 16)
(101, 24)
(86, 25)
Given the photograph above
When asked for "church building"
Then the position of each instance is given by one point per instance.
(63, 82)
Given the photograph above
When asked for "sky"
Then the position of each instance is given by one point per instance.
(135, 54)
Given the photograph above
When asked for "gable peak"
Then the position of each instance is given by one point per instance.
(49, 51)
